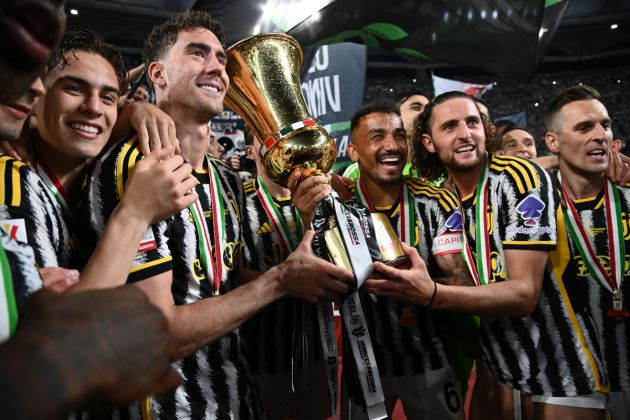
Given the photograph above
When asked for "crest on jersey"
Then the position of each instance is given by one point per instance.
(454, 223)
(530, 209)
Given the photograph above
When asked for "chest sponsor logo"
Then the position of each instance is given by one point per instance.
(15, 228)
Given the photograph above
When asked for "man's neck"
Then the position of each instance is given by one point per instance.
(191, 133)
(276, 191)
(65, 167)
(466, 182)
(381, 195)
(581, 186)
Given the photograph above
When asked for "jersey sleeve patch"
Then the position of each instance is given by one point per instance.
(16, 229)
(448, 243)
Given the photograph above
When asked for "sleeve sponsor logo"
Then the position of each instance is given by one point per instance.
(530, 209)
(448, 243)
(454, 223)
(16, 229)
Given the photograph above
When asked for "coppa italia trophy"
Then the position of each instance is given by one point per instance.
(265, 90)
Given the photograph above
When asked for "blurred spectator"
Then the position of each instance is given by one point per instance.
(518, 142)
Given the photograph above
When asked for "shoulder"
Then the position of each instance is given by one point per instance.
(15, 176)
(524, 174)
(422, 190)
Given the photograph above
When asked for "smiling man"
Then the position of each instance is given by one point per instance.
(190, 267)
(411, 346)
(507, 215)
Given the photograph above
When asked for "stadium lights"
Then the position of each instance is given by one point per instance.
(74, 12)
(614, 26)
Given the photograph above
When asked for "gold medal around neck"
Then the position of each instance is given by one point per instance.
(618, 308)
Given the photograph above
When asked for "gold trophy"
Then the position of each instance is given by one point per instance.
(265, 90)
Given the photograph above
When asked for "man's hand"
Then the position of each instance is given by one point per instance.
(155, 127)
(160, 185)
(108, 346)
(618, 168)
(313, 279)
(59, 279)
(307, 193)
(411, 285)
(341, 185)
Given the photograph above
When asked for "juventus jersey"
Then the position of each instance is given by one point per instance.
(25, 280)
(544, 353)
(590, 300)
(411, 340)
(32, 215)
(217, 382)
(269, 334)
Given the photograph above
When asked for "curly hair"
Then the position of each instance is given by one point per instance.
(428, 165)
(164, 35)
(88, 41)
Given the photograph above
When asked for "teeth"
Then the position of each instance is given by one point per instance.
(390, 160)
(209, 88)
(596, 152)
(87, 128)
(465, 149)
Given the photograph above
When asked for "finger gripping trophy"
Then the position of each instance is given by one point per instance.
(265, 90)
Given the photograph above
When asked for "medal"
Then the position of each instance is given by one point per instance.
(407, 317)
(277, 220)
(617, 250)
(213, 267)
(479, 267)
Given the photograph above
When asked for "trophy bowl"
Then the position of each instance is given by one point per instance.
(266, 92)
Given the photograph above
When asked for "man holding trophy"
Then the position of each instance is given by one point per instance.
(188, 264)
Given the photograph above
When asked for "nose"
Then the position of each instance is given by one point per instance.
(92, 105)
(600, 134)
(213, 65)
(463, 132)
(37, 88)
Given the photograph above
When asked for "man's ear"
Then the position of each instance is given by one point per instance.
(428, 143)
(352, 152)
(155, 71)
(552, 142)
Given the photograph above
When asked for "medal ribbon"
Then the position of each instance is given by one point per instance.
(479, 267)
(55, 187)
(406, 221)
(617, 246)
(276, 218)
(8, 306)
(213, 267)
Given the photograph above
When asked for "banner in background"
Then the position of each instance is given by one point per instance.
(441, 85)
(520, 119)
(333, 85)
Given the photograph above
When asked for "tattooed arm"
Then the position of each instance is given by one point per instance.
(454, 269)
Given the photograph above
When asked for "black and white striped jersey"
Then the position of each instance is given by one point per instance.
(25, 280)
(410, 340)
(217, 381)
(32, 215)
(269, 334)
(590, 300)
(544, 353)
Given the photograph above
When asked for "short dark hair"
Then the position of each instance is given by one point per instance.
(88, 41)
(511, 127)
(408, 94)
(164, 35)
(571, 94)
(427, 164)
(384, 106)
